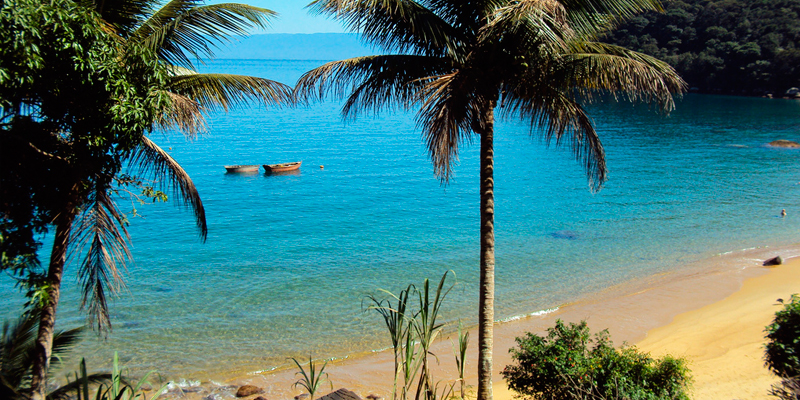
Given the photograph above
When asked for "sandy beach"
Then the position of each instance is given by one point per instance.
(712, 314)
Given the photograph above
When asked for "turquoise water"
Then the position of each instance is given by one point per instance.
(290, 258)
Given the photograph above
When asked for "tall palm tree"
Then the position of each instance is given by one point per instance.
(176, 32)
(459, 61)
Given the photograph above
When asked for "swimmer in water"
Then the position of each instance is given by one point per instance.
(783, 212)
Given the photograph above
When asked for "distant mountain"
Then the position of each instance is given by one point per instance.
(286, 46)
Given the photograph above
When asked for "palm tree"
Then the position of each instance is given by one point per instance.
(175, 32)
(459, 61)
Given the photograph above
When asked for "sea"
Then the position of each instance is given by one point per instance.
(290, 259)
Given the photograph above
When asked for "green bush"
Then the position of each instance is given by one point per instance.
(783, 340)
(569, 364)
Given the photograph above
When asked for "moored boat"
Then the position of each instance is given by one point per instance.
(291, 166)
(241, 168)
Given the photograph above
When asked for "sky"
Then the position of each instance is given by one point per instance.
(293, 17)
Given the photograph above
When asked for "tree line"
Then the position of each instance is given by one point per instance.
(742, 47)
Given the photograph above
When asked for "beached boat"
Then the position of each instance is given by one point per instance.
(241, 168)
(282, 167)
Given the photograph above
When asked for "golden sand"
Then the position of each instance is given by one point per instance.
(724, 341)
(713, 313)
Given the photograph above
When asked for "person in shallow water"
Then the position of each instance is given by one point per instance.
(783, 212)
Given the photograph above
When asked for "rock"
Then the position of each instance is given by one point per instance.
(568, 235)
(301, 396)
(248, 390)
(260, 398)
(373, 396)
(773, 261)
(341, 394)
(787, 144)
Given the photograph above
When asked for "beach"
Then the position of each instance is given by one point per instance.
(712, 316)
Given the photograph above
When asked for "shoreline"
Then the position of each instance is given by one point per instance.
(631, 311)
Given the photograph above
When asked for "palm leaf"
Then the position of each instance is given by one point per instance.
(396, 25)
(181, 29)
(452, 105)
(150, 160)
(17, 346)
(595, 66)
(100, 236)
(215, 91)
(595, 16)
(370, 83)
(559, 117)
(183, 114)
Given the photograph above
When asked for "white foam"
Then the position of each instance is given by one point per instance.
(533, 314)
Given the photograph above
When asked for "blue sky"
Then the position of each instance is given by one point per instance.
(293, 17)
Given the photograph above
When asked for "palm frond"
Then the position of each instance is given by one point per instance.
(183, 29)
(595, 16)
(123, 15)
(532, 25)
(599, 67)
(215, 91)
(150, 160)
(183, 114)
(452, 105)
(66, 392)
(397, 25)
(558, 117)
(17, 346)
(372, 83)
(102, 241)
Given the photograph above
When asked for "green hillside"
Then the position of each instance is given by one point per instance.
(723, 46)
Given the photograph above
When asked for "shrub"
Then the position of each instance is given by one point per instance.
(783, 340)
(569, 364)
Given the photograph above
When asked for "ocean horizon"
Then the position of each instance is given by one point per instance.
(290, 258)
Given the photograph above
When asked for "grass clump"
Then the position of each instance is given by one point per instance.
(568, 363)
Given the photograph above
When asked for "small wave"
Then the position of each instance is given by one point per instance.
(263, 371)
(533, 314)
(183, 383)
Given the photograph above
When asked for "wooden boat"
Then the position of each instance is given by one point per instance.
(269, 168)
(241, 168)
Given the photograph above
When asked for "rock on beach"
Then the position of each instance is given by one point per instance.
(786, 144)
(248, 390)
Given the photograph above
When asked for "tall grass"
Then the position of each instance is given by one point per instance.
(412, 331)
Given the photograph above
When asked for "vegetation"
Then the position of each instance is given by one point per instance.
(568, 364)
(80, 88)
(783, 349)
(311, 380)
(459, 62)
(723, 46)
(412, 331)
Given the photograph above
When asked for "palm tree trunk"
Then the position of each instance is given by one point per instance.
(486, 302)
(47, 319)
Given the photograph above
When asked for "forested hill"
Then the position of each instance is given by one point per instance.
(745, 47)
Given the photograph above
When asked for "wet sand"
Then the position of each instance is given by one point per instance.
(700, 311)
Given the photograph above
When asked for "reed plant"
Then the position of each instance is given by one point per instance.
(412, 331)
(312, 379)
(460, 352)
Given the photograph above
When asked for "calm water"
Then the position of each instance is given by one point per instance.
(289, 259)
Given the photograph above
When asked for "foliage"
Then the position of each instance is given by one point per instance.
(460, 352)
(311, 380)
(17, 351)
(723, 46)
(119, 388)
(412, 331)
(783, 340)
(569, 364)
(786, 389)
(72, 107)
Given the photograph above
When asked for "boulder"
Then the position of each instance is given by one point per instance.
(788, 144)
(773, 261)
(260, 398)
(341, 394)
(248, 390)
